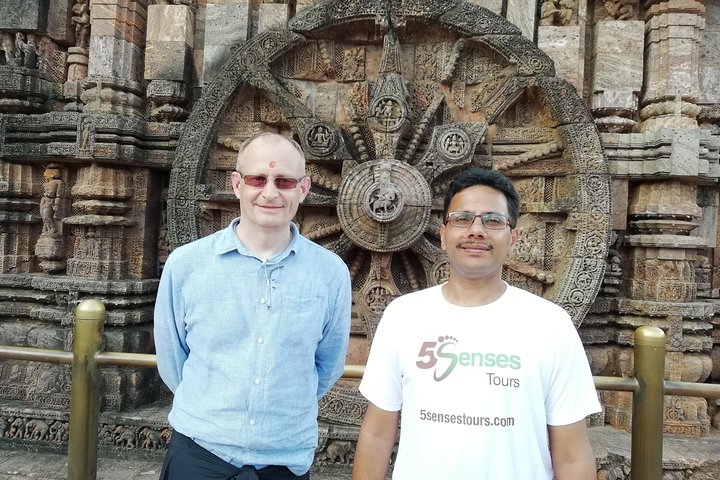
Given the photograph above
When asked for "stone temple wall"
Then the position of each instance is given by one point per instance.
(120, 122)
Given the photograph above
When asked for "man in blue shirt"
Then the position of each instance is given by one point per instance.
(251, 329)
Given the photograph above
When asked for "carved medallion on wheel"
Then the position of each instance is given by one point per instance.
(384, 205)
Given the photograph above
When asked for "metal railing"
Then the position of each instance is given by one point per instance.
(648, 387)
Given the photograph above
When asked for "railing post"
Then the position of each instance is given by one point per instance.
(648, 401)
(85, 391)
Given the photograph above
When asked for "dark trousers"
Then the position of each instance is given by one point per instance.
(186, 460)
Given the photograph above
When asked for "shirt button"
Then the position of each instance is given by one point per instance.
(252, 421)
(257, 381)
(262, 300)
(260, 340)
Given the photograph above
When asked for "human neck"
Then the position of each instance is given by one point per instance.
(473, 293)
(264, 243)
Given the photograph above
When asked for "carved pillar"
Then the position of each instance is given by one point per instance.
(117, 40)
(665, 217)
(673, 31)
(709, 119)
(100, 198)
(78, 55)
(18, 217)
(617, 59)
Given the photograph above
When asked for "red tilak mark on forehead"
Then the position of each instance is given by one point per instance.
(272, 164)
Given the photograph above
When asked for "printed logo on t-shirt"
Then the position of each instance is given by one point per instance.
(444, 356)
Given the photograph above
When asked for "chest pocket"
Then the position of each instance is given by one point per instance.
(302, 322)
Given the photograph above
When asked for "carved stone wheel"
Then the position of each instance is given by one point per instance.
(389, 100)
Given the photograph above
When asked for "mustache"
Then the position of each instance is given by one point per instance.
(474, 243)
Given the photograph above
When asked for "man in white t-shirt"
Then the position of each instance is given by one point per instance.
(492, 381)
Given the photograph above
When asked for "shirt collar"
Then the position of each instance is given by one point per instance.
(228, 241)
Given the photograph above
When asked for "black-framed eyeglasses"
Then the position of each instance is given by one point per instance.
(259, 181)
(491, 221)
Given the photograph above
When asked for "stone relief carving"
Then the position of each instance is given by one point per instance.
(19, 51)
(557, 12)
(50, 246)
(382, 147)
(81, 19)
(8, 48)
(51, 201)
(621, 9)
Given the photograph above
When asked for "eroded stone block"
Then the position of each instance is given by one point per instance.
(562, 44)
(272, 16)
(225, 25)
(618, 56)
(23, 14)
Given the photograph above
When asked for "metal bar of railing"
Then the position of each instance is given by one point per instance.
(688, 389)
(646, 444)
(36, 355)
(121, 359)
(85, 391)
(618, 384)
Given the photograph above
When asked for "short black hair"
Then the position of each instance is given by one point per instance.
(489, 178)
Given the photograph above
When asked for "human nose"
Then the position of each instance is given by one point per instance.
(270, 190)
(477, 227)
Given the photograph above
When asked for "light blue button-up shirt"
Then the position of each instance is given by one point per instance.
(249, 346)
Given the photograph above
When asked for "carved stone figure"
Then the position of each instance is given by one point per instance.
(81, 18)
(106, 434)
(384, 200)
(8, 48)
(36, 429)
(84, 135)
(339, 451)
(557, 12)
(51, 202)
(16, 428)
(30, 54)
(125, 437)
(621, 9)
(25, 52)
(59, 431)
(151, 439)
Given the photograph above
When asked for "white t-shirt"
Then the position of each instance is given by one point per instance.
(478, 385)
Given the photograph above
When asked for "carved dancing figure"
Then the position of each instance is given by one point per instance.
(8, 48)
(85, 135)
(51, 202)
(81, 17)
